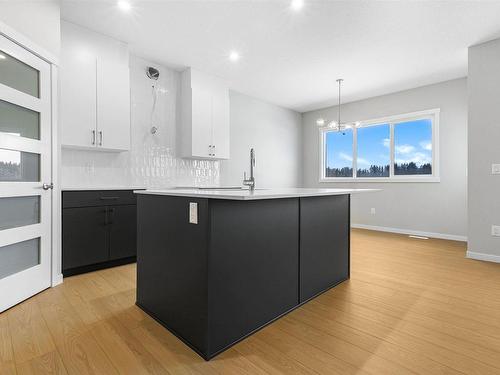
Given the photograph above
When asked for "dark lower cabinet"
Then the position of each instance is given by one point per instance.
(85, 237)
(122, 232)
(99, 230)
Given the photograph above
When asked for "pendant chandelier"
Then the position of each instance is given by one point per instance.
(336, 125)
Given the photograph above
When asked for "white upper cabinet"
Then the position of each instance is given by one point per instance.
(205, 116)
(95, 90)
(113, 106)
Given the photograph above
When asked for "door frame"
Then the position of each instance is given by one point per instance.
(24, 42)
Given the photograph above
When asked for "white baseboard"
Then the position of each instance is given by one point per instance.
(57, 279)
(483, 256)
(442, 236)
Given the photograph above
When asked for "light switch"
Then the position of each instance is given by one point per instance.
(495, 168)
(193, 213)
(495, 230)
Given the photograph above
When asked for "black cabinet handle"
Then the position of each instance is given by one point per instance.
(106, 216)
(109, 198)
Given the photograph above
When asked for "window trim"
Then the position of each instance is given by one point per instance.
(391, 120)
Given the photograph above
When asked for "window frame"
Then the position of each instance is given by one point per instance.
(432, 114)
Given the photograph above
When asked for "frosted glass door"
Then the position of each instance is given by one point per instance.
(25, 164)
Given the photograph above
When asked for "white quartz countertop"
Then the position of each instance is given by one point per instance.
(256, 194)
(116, 187)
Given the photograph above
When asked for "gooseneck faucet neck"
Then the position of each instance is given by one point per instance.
(251, 181)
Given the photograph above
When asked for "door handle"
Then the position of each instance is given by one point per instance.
(109, 198)
(92, 140)
(46, 186)
(100, 137)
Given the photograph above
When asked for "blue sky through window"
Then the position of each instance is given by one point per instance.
(374, 155)
(339, 152)
(413, 144)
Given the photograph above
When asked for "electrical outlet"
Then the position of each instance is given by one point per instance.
(495, 168)
(495, 230)
(193, 213)
(373, 211)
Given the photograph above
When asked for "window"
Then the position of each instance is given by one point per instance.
(339, 154)
(394, 149)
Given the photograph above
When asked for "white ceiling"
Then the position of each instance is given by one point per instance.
(293, 58)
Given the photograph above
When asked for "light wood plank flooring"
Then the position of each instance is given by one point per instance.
(411, 307)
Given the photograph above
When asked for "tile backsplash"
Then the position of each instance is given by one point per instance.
(152, 161)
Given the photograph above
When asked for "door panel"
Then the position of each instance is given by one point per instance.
(113, 106)
(19, 121)
(221, 123)
(84, 236)
(19, 256)
(123, 232)
(19, 211)
(77, 76)
(25, 163)
(18, 75)
(201, 122)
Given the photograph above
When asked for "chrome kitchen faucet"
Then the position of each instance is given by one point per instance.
(251, 181)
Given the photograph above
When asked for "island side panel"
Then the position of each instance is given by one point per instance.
(324, 243)
(172, 265)
(253, 266)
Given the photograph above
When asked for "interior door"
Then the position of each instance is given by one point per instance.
(25, 164)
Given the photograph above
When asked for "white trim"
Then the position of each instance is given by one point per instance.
(56, 260)
(23, 41)
(443, 236)
(379, 179)
(483, 256)
(56, 280)
(391, 120)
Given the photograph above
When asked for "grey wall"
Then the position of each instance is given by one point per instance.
(484, 148)
(275, 134)
(426, 207)
(37, 20)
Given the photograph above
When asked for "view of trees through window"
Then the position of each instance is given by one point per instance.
(374, 155)
(412, 150)
(413, 147)
(339, 154)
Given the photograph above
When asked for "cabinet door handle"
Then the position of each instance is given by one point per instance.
(100, 138)
(92, 139)
(108, 198)
(106, 216)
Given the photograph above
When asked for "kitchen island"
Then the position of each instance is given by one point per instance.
(214, 266)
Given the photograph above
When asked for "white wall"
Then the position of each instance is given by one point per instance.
(37, 20)
(427, 207)
(275, 134)
(484, 149)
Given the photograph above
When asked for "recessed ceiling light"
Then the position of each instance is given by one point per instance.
(2, 57)
(234, 56)
(297, 4)
(124, 5)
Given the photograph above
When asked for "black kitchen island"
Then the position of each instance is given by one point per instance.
(215, 266)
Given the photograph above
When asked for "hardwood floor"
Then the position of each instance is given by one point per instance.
(411, 307)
